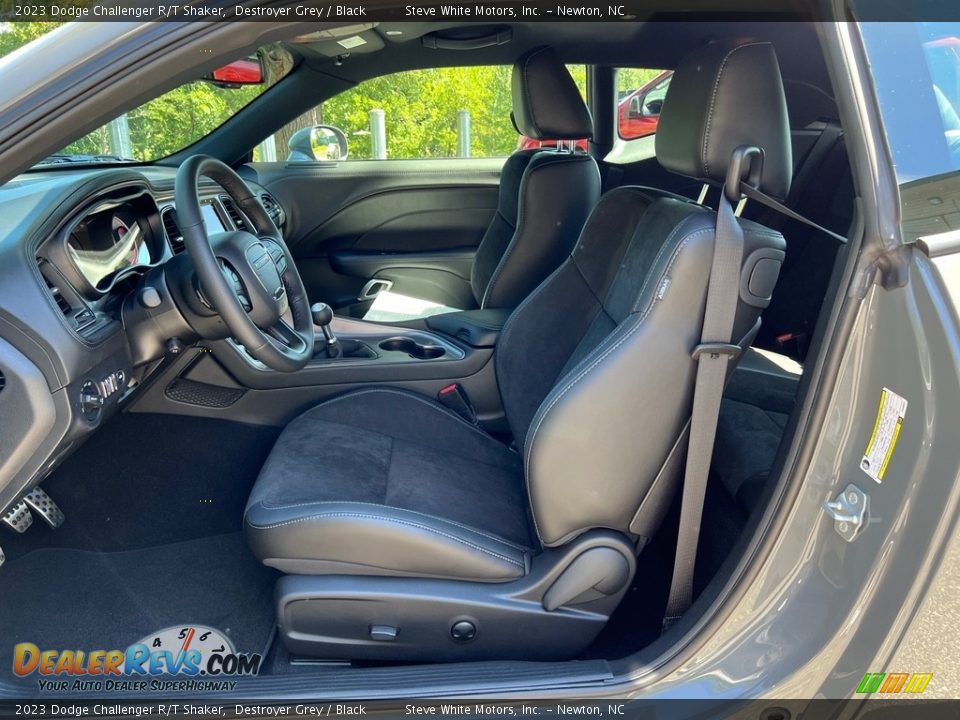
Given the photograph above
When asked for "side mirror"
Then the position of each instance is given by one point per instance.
(636, 107)
(320, 143)
(248, 71)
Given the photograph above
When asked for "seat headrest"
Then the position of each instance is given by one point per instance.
(721, 97)
(546, 102)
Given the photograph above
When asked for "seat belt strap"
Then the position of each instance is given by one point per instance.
(757, 196)
(713, 356)
(813, 162)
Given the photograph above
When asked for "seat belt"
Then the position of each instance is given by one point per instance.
(713, 356)
(753, 194)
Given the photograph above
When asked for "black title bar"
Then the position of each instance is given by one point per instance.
(484, 11)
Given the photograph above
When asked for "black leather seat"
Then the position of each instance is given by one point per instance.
(398, 522)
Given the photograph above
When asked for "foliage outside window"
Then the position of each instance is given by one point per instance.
(421, 109)
(165, 124)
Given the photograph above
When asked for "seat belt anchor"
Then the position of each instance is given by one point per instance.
(454, 397)
(715, 350)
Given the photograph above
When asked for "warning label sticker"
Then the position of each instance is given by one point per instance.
(886, 431)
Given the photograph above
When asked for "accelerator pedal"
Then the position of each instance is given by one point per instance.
(44, 506)
(18, 517)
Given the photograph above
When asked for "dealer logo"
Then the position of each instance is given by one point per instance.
(191, 650)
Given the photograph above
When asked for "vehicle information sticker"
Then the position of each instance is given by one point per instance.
(886, 431)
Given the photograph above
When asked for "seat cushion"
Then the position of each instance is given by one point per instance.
(387, 482)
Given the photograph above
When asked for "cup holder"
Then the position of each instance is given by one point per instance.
(412, 348)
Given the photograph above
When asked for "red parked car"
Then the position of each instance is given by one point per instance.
(637, 114)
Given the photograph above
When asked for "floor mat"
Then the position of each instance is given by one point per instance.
(144, 480)
(60, 598)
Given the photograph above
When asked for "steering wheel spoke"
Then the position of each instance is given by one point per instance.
(249, 278)
(283, 332)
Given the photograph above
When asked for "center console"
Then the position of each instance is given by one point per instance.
(426, 357)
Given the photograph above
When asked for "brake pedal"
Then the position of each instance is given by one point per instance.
(44, 506)
(18, 517)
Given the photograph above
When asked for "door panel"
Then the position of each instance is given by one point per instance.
(414, 222)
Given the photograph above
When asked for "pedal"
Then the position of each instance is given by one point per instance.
(18, 517)
(44, 506)
(3, 558)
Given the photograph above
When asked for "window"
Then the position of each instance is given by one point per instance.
(916, 73)
(182, 116)
(418, 114)
(640, 95)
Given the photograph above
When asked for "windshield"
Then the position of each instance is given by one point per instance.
(172, 121)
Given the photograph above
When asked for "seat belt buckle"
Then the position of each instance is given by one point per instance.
(454, 397)
(792, 343)
(715, 350)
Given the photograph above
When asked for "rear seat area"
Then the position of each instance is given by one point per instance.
(753, 416)
(761, 393)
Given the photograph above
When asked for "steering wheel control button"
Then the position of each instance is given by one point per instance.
(384, 633)
(44, 506)
(18, 517)
(463, 631)
(150, 298)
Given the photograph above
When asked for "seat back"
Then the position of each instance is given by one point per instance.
(595, 366)
(545, 194)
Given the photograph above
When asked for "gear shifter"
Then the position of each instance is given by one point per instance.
(323, 316)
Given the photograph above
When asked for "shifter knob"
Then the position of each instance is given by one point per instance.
(322, 314)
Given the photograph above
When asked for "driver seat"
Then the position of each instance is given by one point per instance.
(408, 534)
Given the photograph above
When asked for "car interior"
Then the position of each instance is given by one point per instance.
(200, 424)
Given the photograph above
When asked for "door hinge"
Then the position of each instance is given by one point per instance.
(850, 511)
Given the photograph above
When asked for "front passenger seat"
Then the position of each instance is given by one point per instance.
(407, 533)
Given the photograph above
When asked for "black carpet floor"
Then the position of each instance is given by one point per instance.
(152, 539)
(63, 598)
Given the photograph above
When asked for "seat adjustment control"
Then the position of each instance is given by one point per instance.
(463, 631)
(385, 633)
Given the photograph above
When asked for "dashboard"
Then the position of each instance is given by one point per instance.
(74, 248)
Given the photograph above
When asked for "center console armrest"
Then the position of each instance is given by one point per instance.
(477, 328)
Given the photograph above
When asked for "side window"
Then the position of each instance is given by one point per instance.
(640, 94)
(916, 74)
(458, 112)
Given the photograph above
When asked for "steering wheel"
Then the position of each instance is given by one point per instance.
(250, 279)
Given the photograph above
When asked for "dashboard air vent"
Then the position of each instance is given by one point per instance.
(169, 217)
(239, 221)
(55, 292)
(274, 210)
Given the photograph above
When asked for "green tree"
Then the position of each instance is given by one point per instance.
(14, 35)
